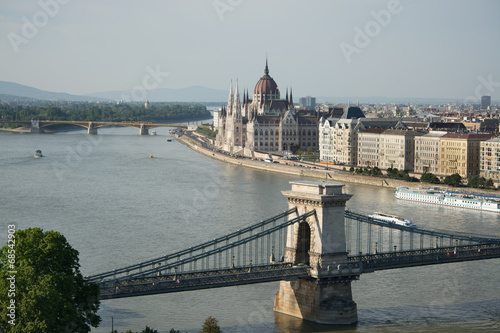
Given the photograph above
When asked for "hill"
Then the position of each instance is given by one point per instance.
(11, 91)
(189, 94)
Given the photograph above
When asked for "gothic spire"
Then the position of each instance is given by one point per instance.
(266, 70)
(286, 98)
(291, 98)
(236, 94)
(230, 98)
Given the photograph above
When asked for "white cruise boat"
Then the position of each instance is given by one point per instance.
(441, 196)
(392, 219)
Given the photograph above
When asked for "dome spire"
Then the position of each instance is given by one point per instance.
(266, 70)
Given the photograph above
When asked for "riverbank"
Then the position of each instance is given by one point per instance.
(300, 169)
(16, 130)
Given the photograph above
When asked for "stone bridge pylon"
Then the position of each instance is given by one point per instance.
(320, 243)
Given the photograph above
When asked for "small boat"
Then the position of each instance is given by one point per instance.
(150, 156)
(153, 132)
(390, 218)
(38, 154)
(169, 140)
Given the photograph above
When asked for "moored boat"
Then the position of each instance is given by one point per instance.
(38, 154)
(442, 196)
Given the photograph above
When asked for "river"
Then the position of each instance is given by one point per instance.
(117, 206)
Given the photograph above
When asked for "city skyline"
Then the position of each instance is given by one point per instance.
(399, 49)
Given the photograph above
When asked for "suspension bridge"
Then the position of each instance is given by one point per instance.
(315, 246)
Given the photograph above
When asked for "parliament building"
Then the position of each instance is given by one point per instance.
(264, 122)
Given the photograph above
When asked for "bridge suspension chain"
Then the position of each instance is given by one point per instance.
(203, 246)
(392, 237)
(208, 258)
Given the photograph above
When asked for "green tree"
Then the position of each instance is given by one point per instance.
(51, 294)
(148, 330)
(211, 325)
(429, 178)
(376, 171)
(453, 180)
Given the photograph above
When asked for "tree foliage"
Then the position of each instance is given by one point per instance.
(453, 180)
(156, 112)
(211, 325)
(480, 182)
(51, 294)
(400, 174)
(430, 178)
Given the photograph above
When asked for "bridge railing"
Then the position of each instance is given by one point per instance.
(379, 261)
(260, 243)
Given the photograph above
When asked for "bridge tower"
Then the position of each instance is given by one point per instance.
(143, 130)
(319, 242)
(35, 126)
(92, 128)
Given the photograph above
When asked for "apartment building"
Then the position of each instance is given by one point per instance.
(369, 146)
(427, 152)
(460, 153)
(490, 159)
(397, 149)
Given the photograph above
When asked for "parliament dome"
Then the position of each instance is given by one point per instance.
(266, 87)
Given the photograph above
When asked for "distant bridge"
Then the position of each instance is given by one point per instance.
(38, 126)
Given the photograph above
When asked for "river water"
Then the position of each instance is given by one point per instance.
(117, 207)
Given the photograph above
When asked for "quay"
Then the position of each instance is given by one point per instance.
(295, 168)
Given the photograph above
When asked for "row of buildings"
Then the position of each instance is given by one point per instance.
(265, 122)
(384, 143)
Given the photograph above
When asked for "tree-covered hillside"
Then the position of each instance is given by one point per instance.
(155, 112)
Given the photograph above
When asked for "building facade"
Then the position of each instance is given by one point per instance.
(460, 153)
(490, 159)
(338, 137)
(397, 149)
(369, 147)
(427, 151)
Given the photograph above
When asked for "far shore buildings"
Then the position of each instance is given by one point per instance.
(490, 159)
(264, 122)
(460, 153)
(338, 137)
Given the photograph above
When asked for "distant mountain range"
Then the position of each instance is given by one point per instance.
(190, 94)
(10, 91)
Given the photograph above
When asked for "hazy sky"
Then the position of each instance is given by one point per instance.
(392, 48)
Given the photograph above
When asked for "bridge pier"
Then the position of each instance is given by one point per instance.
(92, 129)
(35, 126)
(325, 297)
(143, 130)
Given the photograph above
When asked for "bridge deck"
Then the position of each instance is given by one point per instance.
(382, 261)
(203, 280)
